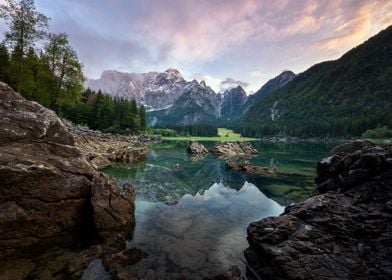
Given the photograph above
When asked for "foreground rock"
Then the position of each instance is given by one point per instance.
(104, 149)
(195, 149)
(344, 231)
(235, 148)
(50, 196)
(248, 168)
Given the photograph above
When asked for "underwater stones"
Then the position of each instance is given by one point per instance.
(247, 167)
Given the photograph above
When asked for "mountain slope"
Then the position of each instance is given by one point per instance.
(233, 101)
(342, 97)
(274, 84)
(197, 104)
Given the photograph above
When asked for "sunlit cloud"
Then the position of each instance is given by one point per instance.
(248, 40)
(229, 83)
(355, 30)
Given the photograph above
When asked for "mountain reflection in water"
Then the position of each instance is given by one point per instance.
(201, 235)
(192, 213)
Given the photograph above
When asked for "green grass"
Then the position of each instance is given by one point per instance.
(227, 133)
(224, 135)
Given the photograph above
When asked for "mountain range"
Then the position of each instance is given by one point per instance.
(345, 97)
(170, 99)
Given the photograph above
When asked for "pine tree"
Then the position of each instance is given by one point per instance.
(26, 27)
(142, 116)
(4, 64)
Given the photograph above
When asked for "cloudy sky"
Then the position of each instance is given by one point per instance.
(224, 42)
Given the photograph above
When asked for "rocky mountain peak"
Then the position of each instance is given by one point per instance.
(285, 77)
(235, 90)
(173, 73)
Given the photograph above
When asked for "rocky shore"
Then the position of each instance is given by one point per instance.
(104, 149)
(51, 197)
(233, 148)
(343, 231)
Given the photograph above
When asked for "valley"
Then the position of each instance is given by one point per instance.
(168, 140)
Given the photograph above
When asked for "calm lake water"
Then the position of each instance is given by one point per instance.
(192, 213)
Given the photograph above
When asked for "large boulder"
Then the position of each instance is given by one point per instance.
(233, 148)
(49, 194)
(195, 149)
(344, 231)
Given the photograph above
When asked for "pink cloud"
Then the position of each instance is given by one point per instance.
(369, 17)
(205, 30)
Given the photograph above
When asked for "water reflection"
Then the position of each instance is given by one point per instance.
(192, 214)
(202, 235)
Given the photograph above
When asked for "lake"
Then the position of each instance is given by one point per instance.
(192, 213)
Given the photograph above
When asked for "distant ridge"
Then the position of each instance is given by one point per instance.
(337, 98)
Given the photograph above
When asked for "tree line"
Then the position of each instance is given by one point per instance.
(101, 111)
(187, 130)
(52, 74)
(337, 127)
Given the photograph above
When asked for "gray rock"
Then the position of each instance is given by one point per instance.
(195, 148)
(234, 148)
(50, 195)
(342, 232)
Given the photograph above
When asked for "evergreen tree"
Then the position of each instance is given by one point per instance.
(26, 27)
(142, 116)
(4, 64)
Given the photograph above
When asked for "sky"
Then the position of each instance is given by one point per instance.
(224, 42)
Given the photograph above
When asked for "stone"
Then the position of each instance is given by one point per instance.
(343, 231)
(123, 258)
(234, 148)
(113, 207)
(249, 168)
(104, 149)
(234, 273)
(196, 148)
(50, 195)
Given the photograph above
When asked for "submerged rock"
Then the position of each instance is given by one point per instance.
(246, 167)
(234, 148)
(344, 231)
(50, 195)
(195, 148)
(234, 273)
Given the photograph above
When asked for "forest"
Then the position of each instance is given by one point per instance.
(45, 68)
(207, 130)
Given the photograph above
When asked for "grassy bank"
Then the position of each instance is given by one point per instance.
(224, 134)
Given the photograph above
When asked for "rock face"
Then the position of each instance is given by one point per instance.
(235, 148)
(49, 194)
(249, 168)
(155, 90)
(195, 148)
(233, 102)
(344, 231)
